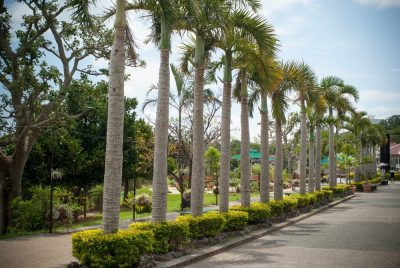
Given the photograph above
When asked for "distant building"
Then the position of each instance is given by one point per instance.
(395, 155)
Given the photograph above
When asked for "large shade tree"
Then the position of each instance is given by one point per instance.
(34, 89)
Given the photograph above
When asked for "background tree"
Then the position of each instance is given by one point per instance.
(34, 89)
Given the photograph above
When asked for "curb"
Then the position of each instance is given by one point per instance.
(204, 253)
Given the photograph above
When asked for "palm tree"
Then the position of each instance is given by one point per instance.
(304, 84)
(319, 110)
(115, 125)
(279, 106)
(204, 19)
(164, 18)
(244, 28)
(336, 95)
(262, 86)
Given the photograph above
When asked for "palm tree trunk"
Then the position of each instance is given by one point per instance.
(198, 172)
(225, 137)
(160, 186)
(278, 189)
(245, 144)
(318, 159)
(311, 161)
(264, 176)
(115, 126)
(332, 165)
(303, 150)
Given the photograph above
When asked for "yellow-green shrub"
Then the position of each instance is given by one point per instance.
(312, 198)
(302, 200)
(235, 220)
(327, 193)
(122, 249)
(277, 207)
(168, 235)
(258, 212)
(289, 203)
(319, 196)
(209, 224)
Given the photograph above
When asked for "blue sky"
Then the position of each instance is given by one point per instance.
(357, 40)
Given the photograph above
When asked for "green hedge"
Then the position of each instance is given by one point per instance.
(277, 207)
(168, 235)
(235, 220)
(209, 224)
(289, 203)
(327, 193)
(122, 249)
(303, 200)
(258, 212)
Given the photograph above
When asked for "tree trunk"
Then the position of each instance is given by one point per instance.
(225, 137)
(318, 159)
(245, 144)
(278, 189)
(159, 198)
(303, 150)
(115, 126)
(198, 172)
(311, 161)
(332, 156)
(264, 139)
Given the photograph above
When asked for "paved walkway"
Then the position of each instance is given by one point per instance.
(362, 232)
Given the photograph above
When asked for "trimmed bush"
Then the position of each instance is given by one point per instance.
(277, 207)
(319, 196)
(312, 198)
(168, 235)
(327, 193)
(209, 224)
(258, 212)
(303, 200)
(122, 249)
(289, 203)
(235, 220)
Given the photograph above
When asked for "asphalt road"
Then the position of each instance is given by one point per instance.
(362, 232)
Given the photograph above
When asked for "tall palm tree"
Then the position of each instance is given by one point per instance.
(336, 95)
(164, 17)
(279, 101)
(319, 110)
(205, 19)
(304, 84)
(115, 125)
(262, 86)
(244, 28)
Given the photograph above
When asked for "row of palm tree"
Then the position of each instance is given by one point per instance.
(249, 48)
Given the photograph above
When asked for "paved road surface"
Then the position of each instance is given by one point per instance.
(362, 232)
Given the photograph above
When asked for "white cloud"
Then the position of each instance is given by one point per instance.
(380, 3)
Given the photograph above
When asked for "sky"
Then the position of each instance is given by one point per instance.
(356, 40)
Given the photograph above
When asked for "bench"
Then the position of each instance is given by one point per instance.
(205, 210)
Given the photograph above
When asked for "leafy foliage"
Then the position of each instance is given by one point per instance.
(122, 249)
(207, 225)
